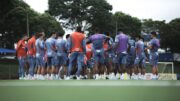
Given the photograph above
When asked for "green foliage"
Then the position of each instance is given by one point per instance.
(45, 22)
(149, 25)
(90, 14)
(170, 34)
(13, 21)
(130, 25)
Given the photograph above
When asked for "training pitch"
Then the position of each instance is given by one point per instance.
(89, 90)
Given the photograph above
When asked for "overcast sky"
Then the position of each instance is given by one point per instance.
(143, 9)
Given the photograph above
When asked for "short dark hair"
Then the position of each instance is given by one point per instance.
(139, 36)
(107, 33)
(97, 30)
(39, 34)
(60, 34)
(78, 29)
(67, 36)
(53, 33)
(24, 35)
(120, 30)
(154, 33)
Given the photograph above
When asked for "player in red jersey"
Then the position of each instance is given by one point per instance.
(22, 54)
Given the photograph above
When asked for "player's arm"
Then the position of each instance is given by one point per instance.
(70, 44)
(84, 46)
(41, 45)
(34, 46)
(19, 45)
(136, 48)
(150, 45)
(129, 46)
(116, 42)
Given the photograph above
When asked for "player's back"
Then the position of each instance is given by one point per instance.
(122, 40)
(77, 42)
(61, 46)
(140, 47)
(39, 48)
(50, 46)
(97, 40)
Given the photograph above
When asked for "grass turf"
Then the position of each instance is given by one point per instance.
(89, 90)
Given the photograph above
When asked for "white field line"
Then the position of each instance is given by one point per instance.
(89, 83)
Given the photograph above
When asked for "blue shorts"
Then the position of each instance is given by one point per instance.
(122, 58)
(153, 58)
(31, 61)
(40, 61)
(61, 59)
(98, 55)
(130, 60)
(51, 61)
(90, 64)
(109, 57)
(140, 60)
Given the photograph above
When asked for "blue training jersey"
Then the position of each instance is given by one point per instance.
(61, 46)
(132, 51)
(155, 43)
(50, 47)
(39, 47)
(140, 48)
(97, 40)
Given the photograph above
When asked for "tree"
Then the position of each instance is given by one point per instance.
(149, 25)
(170, 34)
(130, 25)
(90, 14)
(13, 21)
(45, 22)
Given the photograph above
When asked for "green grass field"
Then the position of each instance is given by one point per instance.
(89, 90)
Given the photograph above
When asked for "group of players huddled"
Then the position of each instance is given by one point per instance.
(94, 57)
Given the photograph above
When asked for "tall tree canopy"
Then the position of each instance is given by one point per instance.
(170, 35)
(13, 21)
(90, 14)
(130, 25)
(149, 25)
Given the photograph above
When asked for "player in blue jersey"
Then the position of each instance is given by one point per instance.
(140, 57)
(40, 56)
(154, 45)
(62, 57)
(131, 57)
(51, 55)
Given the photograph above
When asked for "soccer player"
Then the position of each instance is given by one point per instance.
(154, 45)
(89, 54)
(108, 47)
(31, 53)
(140, 58)
(131, 57)
(121, 41)
(40, 56)
(51, 55)
(77, 49)
(62, 56)
(98, 53)
(22, 55)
